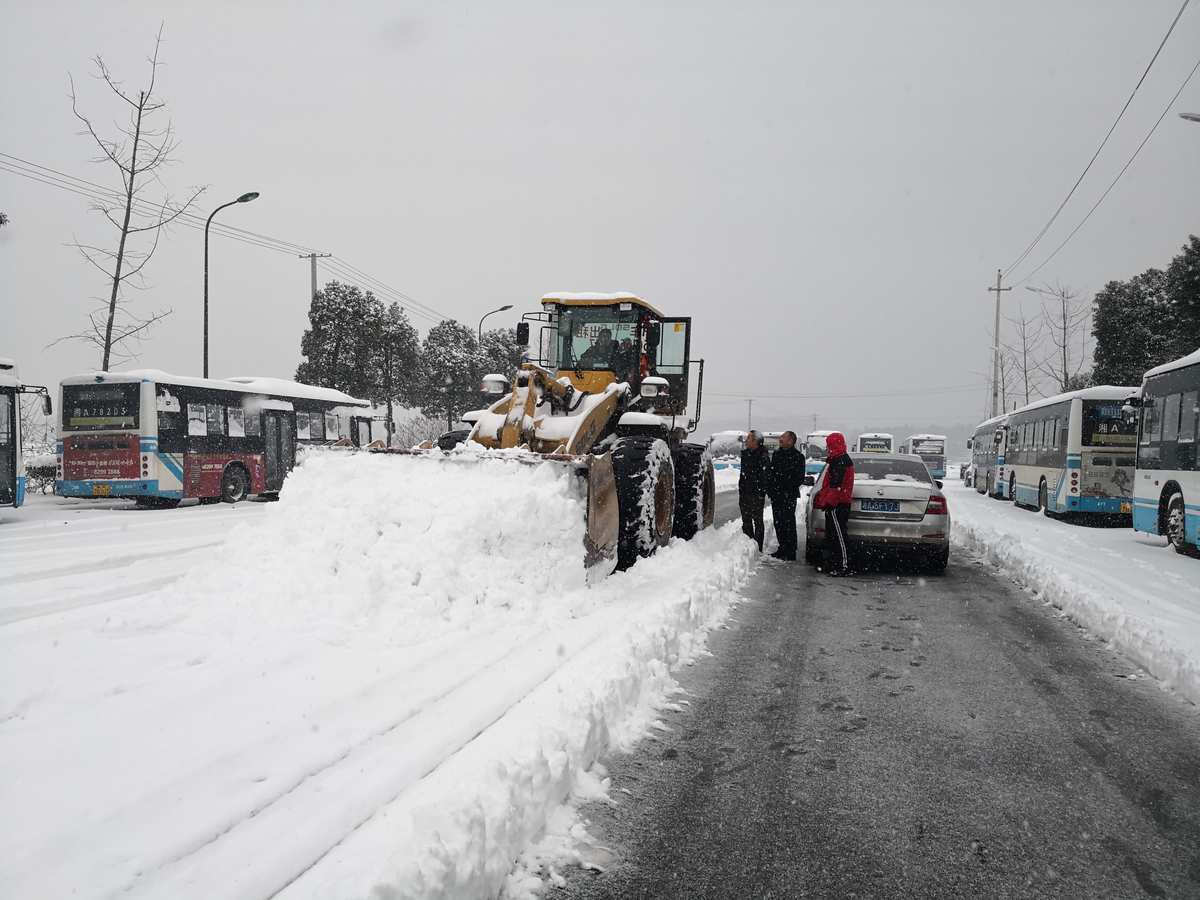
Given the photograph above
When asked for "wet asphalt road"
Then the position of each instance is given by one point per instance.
(896, 736)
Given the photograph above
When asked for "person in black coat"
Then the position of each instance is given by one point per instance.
(752, 486)
(787, 475)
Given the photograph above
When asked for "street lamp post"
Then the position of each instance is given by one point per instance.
(245, 198)
(492, 313)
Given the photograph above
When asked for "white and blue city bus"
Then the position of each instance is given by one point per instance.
(932, 450)
(1073, 453)
(874, 442)
(12, 463)
(989, 446)
(1166, 497)
(815, 451)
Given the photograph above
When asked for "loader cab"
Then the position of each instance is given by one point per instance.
(595, 340)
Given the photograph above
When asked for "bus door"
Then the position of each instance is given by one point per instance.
(8, 448)
(279, 439)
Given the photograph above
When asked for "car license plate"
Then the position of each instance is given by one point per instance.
(1126, 507)
(880, 506)
(101, 490)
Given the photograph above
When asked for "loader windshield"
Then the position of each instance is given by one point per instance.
(598, 337)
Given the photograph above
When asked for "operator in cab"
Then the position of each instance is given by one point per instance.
(599, 355)
(787, 475)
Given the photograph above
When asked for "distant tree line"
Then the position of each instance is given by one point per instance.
(1147, 320)
(357, 344)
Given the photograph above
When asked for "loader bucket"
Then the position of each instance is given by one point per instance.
(603, 519)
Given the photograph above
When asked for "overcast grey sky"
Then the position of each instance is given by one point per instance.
(826, 188)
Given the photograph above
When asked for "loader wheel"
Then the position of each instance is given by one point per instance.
(695, 490)
(645, 497)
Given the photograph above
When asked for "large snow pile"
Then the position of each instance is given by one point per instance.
(384, 685)
(1126, 587)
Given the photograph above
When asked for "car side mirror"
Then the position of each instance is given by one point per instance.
(47, 406)
(938, 483)
(810, 480)
(522, 332)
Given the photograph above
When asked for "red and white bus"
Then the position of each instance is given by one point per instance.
(161, 438)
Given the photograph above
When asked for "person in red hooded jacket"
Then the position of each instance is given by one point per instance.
(837, 489)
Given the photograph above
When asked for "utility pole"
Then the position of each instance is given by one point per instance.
(996, 347)
(814, 421)
(313, 257)
(749, 411)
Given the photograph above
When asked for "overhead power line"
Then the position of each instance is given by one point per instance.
(99, 193)
(1108, 190)
(958, 389)
(1037, 238)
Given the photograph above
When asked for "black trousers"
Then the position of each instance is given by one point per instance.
(783, 509)
(837, 556)
(751, 506)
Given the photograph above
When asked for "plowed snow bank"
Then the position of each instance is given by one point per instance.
(381, 686)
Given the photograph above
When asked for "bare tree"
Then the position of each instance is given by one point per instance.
(1023, 350)
(1066, 323)
(142, 148)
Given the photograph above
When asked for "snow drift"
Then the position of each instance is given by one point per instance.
(383, 685)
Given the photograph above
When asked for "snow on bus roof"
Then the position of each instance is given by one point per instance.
(8, 373)
(1100, 392)
(1192, 359)
(927, 437)
(278, 386)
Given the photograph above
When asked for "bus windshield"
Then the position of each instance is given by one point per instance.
(100, 407)
(598, 337)
(1104, 425)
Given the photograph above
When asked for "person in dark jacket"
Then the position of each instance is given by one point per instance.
(752, 486)
(787, 474)
(837, 490)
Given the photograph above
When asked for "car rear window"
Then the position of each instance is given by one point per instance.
(874, 469)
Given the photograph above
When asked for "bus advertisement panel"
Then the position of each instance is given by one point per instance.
(162, 438)
(1073, 453)
(1167, 481)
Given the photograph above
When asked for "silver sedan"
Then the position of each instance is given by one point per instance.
(896, 505)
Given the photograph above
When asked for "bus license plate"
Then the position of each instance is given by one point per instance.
(1126, 507)
(880, 505)
(101, 490)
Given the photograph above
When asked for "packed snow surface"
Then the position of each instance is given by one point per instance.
(384, 685)
(1126, 587)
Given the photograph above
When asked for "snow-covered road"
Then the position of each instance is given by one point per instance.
(385, 683)
(1126, 587)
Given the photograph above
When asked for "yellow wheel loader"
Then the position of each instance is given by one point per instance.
(605, 391)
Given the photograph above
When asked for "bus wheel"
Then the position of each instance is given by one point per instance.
(234, 485)
(1044, 501)
(1012, 489)
(1177, 527)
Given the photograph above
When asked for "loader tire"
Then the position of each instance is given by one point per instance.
(645, 481)
(695, 490)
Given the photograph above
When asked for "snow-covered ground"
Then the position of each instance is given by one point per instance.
(1126, 587)
(386, 684)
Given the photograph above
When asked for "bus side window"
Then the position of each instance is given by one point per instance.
(253, 423)
(216, 419)
(1189, 409)
(1170, 429)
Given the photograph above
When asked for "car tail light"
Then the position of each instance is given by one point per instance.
(936, 506)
